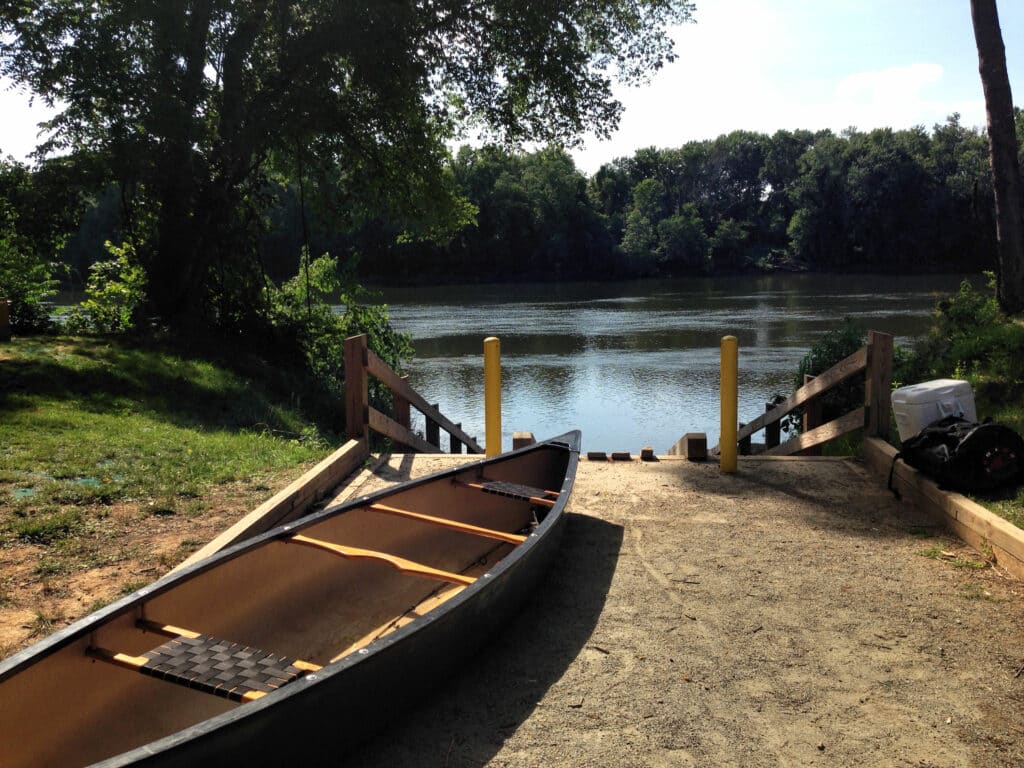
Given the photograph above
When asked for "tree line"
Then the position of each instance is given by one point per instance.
(876, 201)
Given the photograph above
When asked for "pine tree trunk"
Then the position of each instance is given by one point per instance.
(1002, 154)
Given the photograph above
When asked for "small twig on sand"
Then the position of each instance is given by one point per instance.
(1020, 671)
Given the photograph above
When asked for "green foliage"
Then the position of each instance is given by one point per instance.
(115, 292)
(26, 279)
(970, 339)
(197, 115)
(301, 311)
(834, 346)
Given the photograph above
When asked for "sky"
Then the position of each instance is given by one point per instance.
(765, 65)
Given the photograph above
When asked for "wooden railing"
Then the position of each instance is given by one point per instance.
(361, 417)
(873, 360)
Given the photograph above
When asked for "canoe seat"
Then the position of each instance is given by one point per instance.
(230, 670)
(517, 491)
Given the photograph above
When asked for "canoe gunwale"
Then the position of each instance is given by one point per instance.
(570, 442)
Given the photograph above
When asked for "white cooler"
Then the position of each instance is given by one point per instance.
(917, 406)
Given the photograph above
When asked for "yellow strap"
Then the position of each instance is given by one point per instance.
(399, 563)
(490, 533)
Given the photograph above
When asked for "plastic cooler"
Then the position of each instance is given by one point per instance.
(917, 406)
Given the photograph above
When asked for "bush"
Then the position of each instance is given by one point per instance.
(26, 279)
(833, 347)
(115, 291)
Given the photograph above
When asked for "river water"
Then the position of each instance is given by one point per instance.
(636, 363)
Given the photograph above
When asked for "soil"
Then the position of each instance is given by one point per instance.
(792, 614)
(120, 548)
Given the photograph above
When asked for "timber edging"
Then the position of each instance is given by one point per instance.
(974, 524)
(291, 502)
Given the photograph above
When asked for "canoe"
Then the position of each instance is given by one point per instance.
(291, 647)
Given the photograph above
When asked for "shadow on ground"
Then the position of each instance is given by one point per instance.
(466, 720)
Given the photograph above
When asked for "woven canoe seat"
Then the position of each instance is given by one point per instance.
(220, 667)
(513, 490)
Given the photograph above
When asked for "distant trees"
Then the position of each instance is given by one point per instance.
(878, 201)
(208, 113)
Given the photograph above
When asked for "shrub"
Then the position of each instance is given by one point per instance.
(115, 291)
(26, 279)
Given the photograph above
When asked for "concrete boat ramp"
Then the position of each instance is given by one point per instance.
(795, 613)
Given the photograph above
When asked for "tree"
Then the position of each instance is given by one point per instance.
(195, 104)
(1003, 155)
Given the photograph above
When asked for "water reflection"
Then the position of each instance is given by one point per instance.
(636, 363)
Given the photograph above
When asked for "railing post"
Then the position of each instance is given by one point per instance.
(877, 385)
(773, 431)
(357, 394)
(744, 444)
(433, 429)
(812, 419)
(454, 444)
(492, 395)
(729, 396)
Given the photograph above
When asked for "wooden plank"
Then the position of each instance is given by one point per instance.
(357, 393)
(837, 374)
(398, 563)
(968, 519)
(380, 369)
(773, 431)
(692, 445)
(454, 444)
(385, 425)
(878, 384)
(522, 440)
(647, 453)
(813, 417)
(434, 429)
(852, 421)
(476, 530)
(291, 502)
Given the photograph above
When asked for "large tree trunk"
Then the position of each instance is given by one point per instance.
(1002, 154)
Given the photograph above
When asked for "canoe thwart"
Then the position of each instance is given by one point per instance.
(229, 670)
(399, 563)
(489, 533)
(517, 491)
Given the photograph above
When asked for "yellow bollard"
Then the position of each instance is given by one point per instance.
(492, 395)
(729, 392)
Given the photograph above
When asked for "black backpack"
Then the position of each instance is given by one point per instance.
(965, 456)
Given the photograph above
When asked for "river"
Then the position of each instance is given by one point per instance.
(636, 363)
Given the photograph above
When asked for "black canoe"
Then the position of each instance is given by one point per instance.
(290, 648)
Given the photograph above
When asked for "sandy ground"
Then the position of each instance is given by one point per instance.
(794, 614)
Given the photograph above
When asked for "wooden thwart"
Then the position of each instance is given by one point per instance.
(489, 533)
(398, 563)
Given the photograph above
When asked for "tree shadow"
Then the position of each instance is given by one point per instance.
(465, 721)
(183, 390)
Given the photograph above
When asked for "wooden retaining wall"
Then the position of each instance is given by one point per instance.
(974, 524)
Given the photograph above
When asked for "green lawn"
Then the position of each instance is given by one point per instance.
(86, 423)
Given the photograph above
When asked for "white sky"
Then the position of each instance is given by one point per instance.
(763, 65)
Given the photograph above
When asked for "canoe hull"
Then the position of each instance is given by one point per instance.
(321, 715)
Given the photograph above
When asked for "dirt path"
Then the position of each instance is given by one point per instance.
(795, 614)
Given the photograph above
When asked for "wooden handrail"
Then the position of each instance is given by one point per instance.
(400, 386)
(837, 374)
(360, 364)
(873, 360)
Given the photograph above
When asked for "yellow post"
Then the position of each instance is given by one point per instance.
(492, 395)
(729, 392)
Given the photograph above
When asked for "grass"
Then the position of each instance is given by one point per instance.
(86, 421)
(939, 552)
(90, 427)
